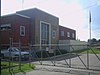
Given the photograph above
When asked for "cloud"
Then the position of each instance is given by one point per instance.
(96, 34)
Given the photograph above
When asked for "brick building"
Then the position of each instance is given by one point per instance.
(44, 26)
(14, 26)
(33, 26)
(38, 27)
(66, 33)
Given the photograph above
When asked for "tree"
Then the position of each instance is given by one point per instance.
(99, 40)
(94, 40)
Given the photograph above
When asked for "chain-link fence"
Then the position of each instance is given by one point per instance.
(64, 55)
(60, 55)
(13, 57)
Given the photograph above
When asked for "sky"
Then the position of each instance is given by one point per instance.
(73, 14)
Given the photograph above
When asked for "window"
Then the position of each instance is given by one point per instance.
(62, 33)
(44, 33)
(22, 30)
(54, 34)
(68, 34)
(73, 35)
(5, 27)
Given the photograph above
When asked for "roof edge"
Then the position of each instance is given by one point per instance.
(66, 27)
(22, 15)
(15, 14)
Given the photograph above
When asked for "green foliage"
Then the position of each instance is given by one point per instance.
(97, 51)
(24, 67)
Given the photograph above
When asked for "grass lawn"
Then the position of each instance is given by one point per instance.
(97, 51)
(24, 67)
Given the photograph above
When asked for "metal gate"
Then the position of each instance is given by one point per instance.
(59, 59)
(85, 59)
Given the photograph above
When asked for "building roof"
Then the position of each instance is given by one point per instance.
(24, 16)
(66, 27)
(35, 9)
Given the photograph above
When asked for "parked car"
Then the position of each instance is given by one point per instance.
(14, 52)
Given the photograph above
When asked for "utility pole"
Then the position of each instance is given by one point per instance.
(89, 39)
(90, 26)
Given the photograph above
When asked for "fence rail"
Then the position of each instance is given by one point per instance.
(52, 54)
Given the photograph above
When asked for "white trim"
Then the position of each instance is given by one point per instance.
(40, 35)
(22, 15)
(21, 30)
(50, 34)
(68, 34)
(49, 31)
(8, 15)
(45, 22)
(15, 14)
(5, 25)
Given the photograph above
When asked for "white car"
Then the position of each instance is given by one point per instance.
(14, 53)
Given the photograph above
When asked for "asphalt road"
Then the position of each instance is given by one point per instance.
(61, 68)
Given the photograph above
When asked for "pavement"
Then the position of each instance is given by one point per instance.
(57, 71)
(60, 68)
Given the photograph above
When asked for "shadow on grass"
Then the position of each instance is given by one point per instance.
(12, 70)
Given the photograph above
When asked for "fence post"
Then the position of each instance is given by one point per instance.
(19, 55)
(70, 57)
(41, 53)
(10, 55)
(87, 59)
(30, 55)
(54, 57)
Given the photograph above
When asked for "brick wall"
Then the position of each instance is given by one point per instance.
(16, 21)
(66, 30)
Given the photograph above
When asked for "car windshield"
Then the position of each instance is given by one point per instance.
(16, 50)
(13, 49)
